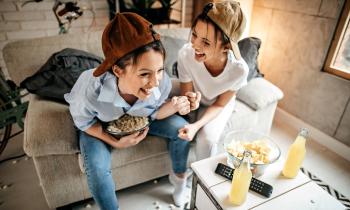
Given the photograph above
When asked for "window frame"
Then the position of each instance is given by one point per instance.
(344, 21)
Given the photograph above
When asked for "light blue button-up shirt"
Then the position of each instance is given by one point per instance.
(97, 98)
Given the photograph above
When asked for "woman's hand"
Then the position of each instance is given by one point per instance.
(131, 140)
(194, 98)
(188, 132)
(181, 104)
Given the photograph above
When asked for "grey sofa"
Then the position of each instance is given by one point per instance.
(51, 141)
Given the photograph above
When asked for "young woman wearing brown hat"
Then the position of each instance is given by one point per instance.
(130, 80)
(212, 65)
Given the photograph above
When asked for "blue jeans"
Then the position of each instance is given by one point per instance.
(97, 159)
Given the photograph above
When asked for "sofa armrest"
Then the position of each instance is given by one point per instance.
(259, 93)
(48, 129)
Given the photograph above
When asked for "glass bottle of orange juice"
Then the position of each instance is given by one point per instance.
(241, 180)
(296, 155)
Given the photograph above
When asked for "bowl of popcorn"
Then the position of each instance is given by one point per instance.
(126, 125)
(264, 150)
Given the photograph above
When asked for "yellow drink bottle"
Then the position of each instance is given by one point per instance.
(296, 155)
(241, 180)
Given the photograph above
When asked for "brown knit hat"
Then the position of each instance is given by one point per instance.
(228, 16)
(122, 35)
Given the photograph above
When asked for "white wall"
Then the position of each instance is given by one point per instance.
(37, 20)
(295, 38)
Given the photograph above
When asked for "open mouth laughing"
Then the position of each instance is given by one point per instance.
(198, 55)
(146, 91)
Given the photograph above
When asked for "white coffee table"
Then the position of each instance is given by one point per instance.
(210, 191)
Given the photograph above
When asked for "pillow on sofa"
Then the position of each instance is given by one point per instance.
(172, 47)
(58, 75)
(249, 48)
(267, 94)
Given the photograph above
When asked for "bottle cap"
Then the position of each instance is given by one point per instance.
(247, 153)
(304, 132)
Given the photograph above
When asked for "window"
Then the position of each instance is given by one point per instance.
(338, 58)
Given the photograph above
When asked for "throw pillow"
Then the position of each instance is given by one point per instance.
(172, 47)
(267, 94)
(249, 48)
(58, 75)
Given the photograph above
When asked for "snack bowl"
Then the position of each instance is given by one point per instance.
(264, 150)
(126, 125)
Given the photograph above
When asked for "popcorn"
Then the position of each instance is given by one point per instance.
(259, 149)
(127, 123)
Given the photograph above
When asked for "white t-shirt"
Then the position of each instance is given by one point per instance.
(232, 78)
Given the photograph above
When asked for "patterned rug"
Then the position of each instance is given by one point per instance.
(341, 198)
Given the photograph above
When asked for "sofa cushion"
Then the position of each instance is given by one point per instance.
(172, 47)
(259, 93)
(48, 129)
(249, 48)
(242, 118)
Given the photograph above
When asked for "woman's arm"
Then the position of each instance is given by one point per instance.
(186, 89)
(183, 104)
(97, 131)
(176, 104)
(189, 131)
(214, 109)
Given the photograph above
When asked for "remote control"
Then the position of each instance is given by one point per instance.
(256, 185)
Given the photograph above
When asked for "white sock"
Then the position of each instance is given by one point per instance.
(179, 189)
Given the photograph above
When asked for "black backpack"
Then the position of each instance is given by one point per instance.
(58, 75)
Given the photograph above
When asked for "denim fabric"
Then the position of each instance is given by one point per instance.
(178, 148)
(97, 164)
(97, 159)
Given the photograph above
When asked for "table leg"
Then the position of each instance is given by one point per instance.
(196, 181)
(194, 190)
